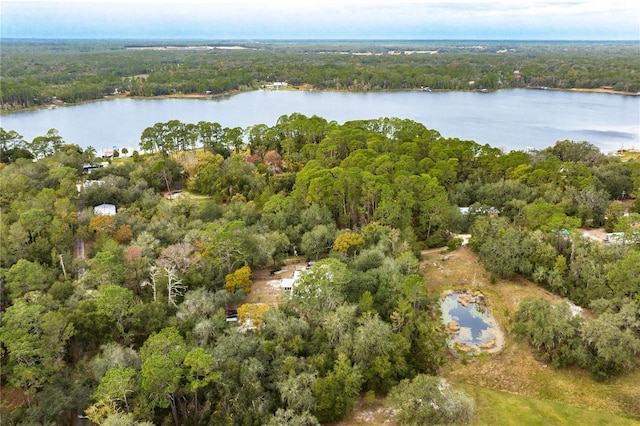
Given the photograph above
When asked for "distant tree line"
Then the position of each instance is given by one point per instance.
(34, 75)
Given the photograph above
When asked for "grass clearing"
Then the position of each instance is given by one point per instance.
(501, 408)
(496, 408)
(515, 370)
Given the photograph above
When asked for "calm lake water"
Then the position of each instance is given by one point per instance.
(509, 119)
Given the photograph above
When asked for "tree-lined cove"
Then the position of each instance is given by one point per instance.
(516, 119)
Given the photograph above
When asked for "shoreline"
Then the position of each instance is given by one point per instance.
(291, 89)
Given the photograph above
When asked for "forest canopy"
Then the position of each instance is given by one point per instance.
(123, 317)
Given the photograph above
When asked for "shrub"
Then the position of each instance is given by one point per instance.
(454, 243)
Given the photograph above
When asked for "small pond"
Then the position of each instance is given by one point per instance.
(469, 322)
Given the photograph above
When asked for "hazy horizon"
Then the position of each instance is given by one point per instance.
(201, 40)
(278, 20)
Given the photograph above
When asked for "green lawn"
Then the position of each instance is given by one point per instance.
(501, 408)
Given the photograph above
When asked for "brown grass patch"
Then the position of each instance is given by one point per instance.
(369, 411)
(266, 287)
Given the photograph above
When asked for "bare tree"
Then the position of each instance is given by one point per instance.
(154, 273)
(178, 256)
(174, 286)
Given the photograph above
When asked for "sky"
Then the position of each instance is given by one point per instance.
(322, 19)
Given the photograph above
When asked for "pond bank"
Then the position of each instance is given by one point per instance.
(471, 326)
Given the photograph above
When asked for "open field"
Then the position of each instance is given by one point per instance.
(500, 408)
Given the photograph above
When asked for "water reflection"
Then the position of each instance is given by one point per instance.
(469, 321)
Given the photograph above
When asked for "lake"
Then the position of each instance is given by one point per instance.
(511, 119)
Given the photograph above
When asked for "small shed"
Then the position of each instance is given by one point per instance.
(232, 315)
(104, 209)
(288, 284)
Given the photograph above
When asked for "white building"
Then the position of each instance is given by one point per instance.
(289, 283)
(104, 209)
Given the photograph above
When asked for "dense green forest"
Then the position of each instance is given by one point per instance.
(36, 73)
(123, 318)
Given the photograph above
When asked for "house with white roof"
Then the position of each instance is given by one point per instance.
(288, 284)
(104, 209)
